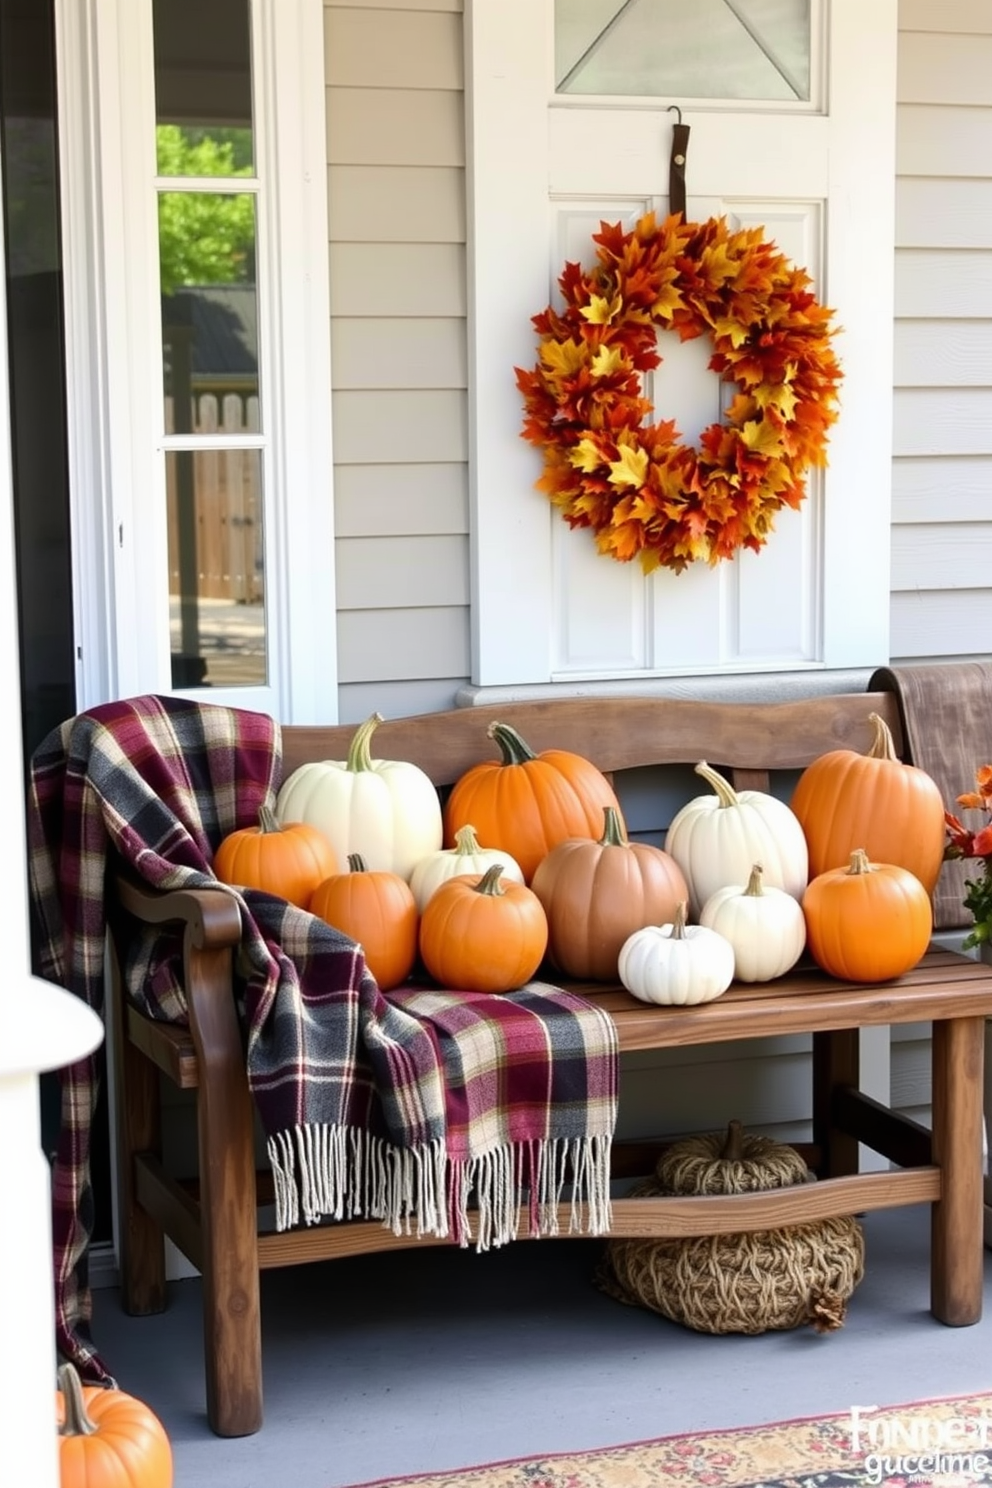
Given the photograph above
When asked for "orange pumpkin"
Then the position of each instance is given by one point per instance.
(867, 922)
(845, 800)
(478, 934)
(596, 894)
(288, 860)
(377, 909)
(526, 803)
(108, 1437)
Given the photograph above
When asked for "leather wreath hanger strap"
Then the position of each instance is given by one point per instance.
(676, 168)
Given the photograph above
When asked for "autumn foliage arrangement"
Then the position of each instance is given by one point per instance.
(642, 491)
(962, 842)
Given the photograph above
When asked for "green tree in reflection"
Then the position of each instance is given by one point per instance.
(204, 237)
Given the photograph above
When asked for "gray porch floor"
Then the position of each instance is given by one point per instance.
(437, 1359)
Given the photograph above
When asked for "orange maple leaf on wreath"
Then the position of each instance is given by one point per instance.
(641, 491)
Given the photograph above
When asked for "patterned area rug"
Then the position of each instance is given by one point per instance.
(944, 1443)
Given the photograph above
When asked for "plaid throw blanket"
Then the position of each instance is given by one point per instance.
(409, 1107)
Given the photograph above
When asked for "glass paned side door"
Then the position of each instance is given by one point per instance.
(213, 423)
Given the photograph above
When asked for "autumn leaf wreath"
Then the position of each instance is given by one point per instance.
(641, 490)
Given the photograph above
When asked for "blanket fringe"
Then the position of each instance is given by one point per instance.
(335, 1172)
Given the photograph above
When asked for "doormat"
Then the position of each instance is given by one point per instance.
(944, 1443)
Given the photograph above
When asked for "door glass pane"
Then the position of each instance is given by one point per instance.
(209, 300)
(203, 87)
(729, 49)
(216, 589)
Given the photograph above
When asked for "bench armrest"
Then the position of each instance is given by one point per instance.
(211, 916)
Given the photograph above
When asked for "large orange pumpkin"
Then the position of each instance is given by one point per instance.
(286, 860)
(526, 803)
(894, 811)
(596, 894)
(107, 1437)
(377, 909)
(479, 934)
(867, 922)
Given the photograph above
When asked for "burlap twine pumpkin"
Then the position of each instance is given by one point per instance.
(742, 1283)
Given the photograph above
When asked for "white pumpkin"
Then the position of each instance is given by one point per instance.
(388, 811)
(765, 926)
(715, 839)
(677, 964)
(451, 862)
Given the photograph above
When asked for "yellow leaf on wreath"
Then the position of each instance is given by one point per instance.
(762, 438)
(734, 330)
(600, 311)
(585, 456)
(563, 358)
(607, 361)
(631, 467)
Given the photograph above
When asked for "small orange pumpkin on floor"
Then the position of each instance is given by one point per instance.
(288, 860)
(108, 1439)
(377, 909)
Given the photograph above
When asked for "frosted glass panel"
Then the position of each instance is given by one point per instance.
(746, 49)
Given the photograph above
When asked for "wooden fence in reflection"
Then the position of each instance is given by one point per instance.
(215, 506)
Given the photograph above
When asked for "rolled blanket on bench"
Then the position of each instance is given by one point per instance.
(946, 713)
(440, 1112)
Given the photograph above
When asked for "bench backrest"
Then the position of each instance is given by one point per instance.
(746, 740)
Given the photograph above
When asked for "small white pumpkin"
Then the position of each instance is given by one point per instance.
(387, 811)
(765, 926)
(678, 963)
(451, 862)
(715, 839)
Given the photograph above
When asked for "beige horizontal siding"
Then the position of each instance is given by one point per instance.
(401, 572)
(454, 6)
(948, 353)
(941, 555)
(408, 279)
(948, 141)
(401, 499)
(966, 17)
(400, 426)
(400, 204)
(396, 126)
(937, 623)
(384, 646)
(942, 421)
(371, 48)
(942, 489)
(932, 283)
(945, 67)
(399, 352)
(943, 213)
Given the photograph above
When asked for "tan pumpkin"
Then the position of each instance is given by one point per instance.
(375, 908)
(893, 811)
(596, 894)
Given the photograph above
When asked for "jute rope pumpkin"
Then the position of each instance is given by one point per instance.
(740, 1283)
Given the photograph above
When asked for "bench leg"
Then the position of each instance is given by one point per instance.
(139, 1129)
(956, 1255)
(231, 1308)
(835, 1064)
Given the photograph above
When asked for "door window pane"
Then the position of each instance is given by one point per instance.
(728, 49)
(209, 299)
(203, 103)
(216, 585)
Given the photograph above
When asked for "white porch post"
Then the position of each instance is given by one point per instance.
(41, 1028)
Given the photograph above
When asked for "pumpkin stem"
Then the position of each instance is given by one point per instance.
(754, 885)
(860, 862)
(512, 747)
(613, 830)
(466, 842)
(360, 748)
(267, 820)
(679, 922)
(724, 789)
(357, 864)
(489, 882)
(733, 1143)
(882, 745)
(78, 1421)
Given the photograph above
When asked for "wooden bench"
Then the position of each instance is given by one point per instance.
(214, 1219)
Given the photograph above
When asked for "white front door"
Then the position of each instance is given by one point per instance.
(816, 173)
